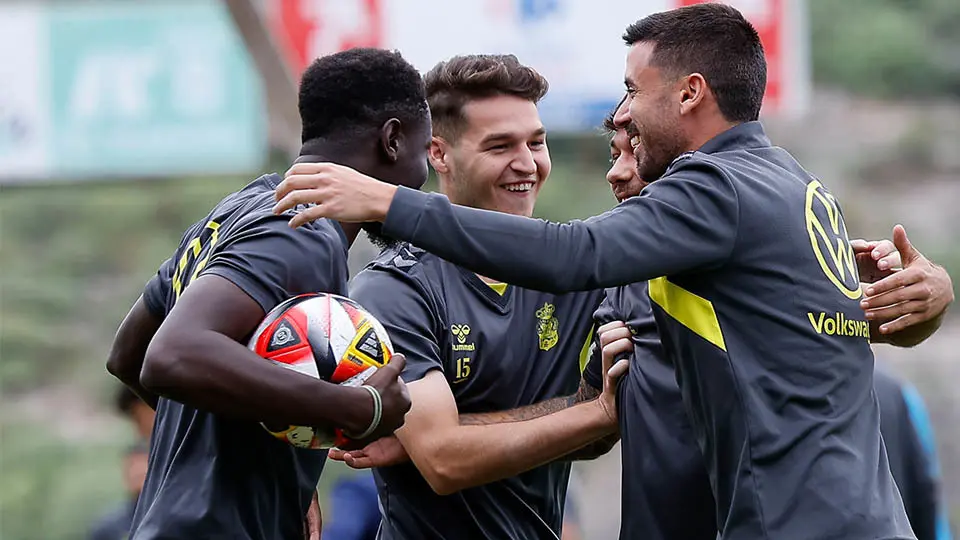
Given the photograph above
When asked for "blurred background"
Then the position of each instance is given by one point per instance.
(123, 122)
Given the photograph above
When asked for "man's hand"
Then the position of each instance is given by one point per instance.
(876, 259)
(615, 341)
(338, 192)
(313, 524)
(394, 397)
(380, 453)
(917, 294)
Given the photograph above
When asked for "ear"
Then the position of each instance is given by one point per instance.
(391, 139)
(693, 91)
(438, 155)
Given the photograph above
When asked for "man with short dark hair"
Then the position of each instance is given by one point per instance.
(751, 276)
(666, 495)
(214, 471)
(475, 345)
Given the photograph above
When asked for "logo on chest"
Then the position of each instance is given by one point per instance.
(461, 332)
(459, 344)
(548, 327)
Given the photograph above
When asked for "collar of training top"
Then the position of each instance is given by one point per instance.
(745, 135)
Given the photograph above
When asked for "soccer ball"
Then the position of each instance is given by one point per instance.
(324, 336)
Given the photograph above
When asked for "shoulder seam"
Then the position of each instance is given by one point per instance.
(705, 159)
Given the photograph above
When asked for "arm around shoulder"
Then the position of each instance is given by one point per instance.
(685, 221)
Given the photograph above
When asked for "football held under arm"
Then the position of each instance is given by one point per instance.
(198, 356)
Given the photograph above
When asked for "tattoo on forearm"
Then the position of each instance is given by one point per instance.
(586, 392)
(529, 412)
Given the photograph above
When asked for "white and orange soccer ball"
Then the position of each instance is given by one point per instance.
(324, 336)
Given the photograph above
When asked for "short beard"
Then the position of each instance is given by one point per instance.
(374, 232)
(659, 155)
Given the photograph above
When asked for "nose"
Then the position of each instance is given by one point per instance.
(523, 163)
(618, 173)
(621, 117)
(616, 176)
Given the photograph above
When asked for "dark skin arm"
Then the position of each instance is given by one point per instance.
(904, 307)
(129, 347)
(197, 358)
(586, 392)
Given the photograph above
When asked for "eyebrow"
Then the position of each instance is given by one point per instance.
(508, 136)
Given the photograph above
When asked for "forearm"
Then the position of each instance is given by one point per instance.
(528, 412)
(597, 448)
(908, 337)
(586, 392)
(210, 371)
(125, 360)
(471, 455)
(628, 244)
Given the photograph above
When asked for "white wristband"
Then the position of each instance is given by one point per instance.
(377, 413)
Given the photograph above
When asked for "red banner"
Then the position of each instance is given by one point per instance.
(768, 17)
(312, 28)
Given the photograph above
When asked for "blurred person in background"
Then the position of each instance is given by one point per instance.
(572, 522)
(354, 508)
(908, 436)
(140, 414)
(115, 525)
(213, 470)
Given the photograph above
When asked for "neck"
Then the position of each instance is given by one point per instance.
(320, 150)
(327, 149)
(707, 132)
(443, 183)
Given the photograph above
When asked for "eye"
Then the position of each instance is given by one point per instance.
(537, 144)
(614, 157)
(499, 147)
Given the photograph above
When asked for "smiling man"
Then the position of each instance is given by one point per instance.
(475, 345)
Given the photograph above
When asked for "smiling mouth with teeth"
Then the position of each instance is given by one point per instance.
(634, 135)
(522, 187)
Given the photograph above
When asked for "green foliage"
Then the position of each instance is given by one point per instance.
(887, 48)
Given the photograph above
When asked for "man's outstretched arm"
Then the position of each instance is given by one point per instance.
(687, 221)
